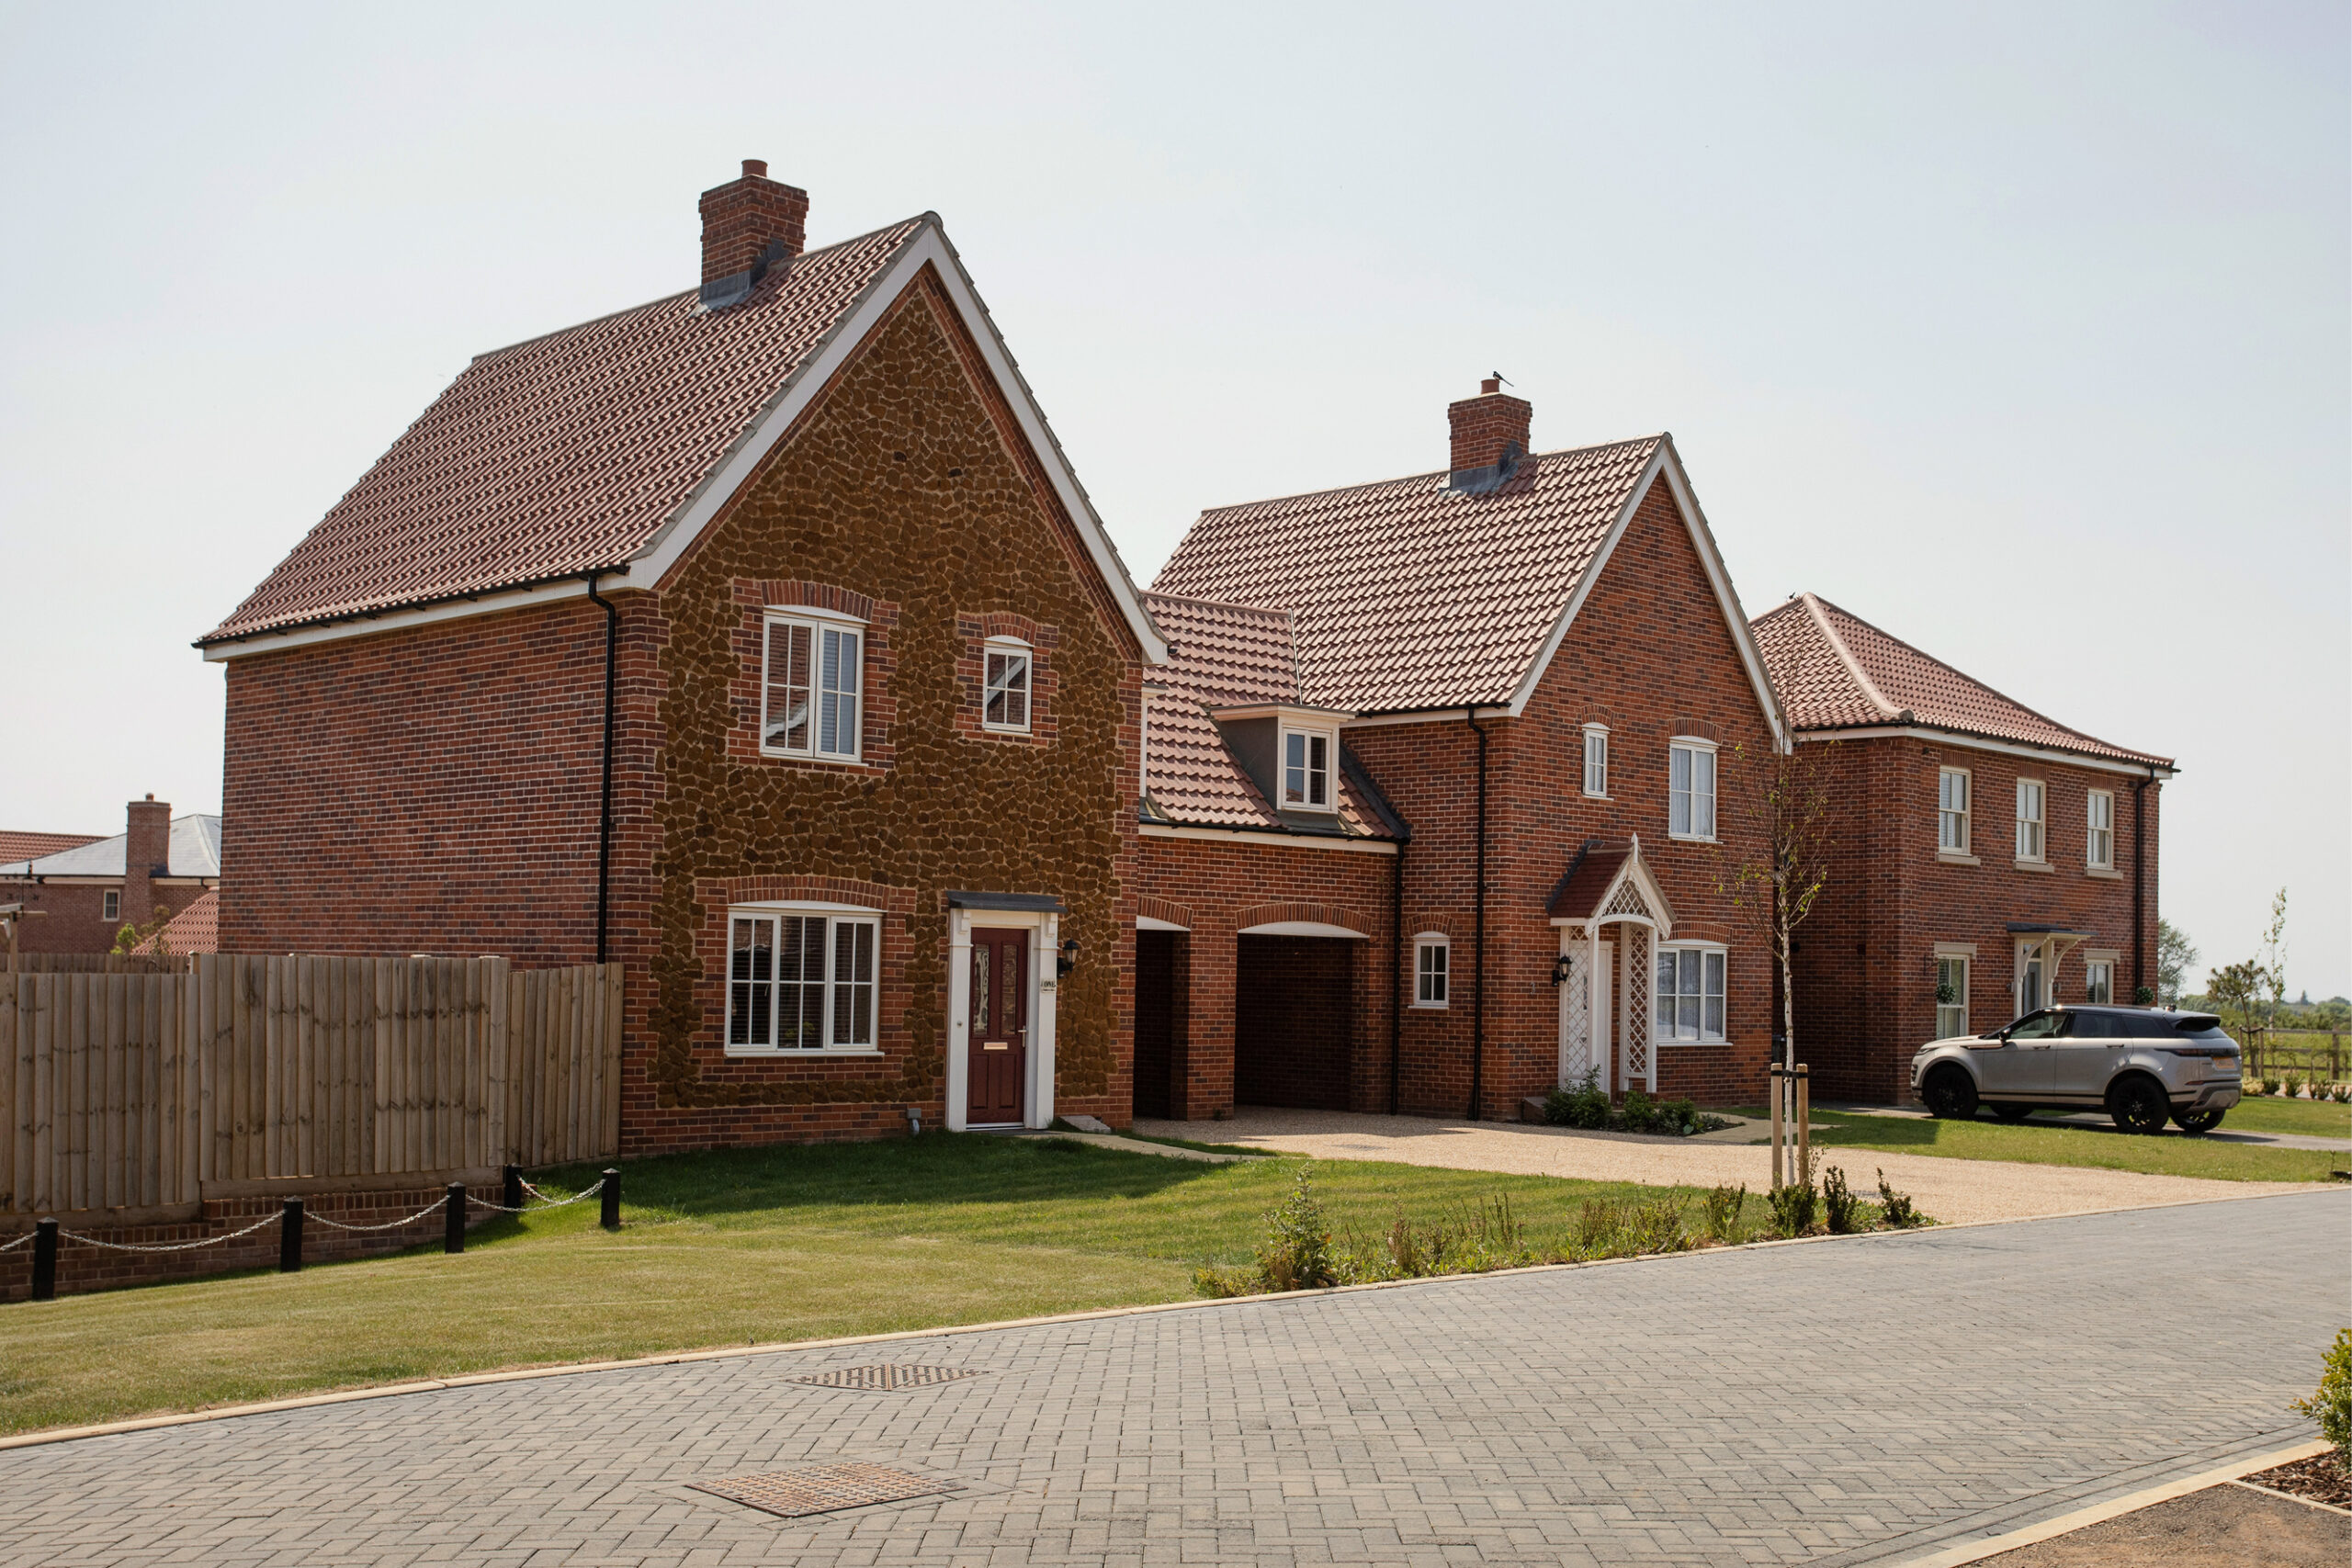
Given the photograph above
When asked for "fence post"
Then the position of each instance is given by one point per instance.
(45, 1261)
(289, 1237)
(612, 1215)
(453, 1219)
(512, 1196)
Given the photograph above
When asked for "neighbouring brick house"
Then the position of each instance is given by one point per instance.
(85, 890)
(1987, 861)
(759, 638)
(1528, 665)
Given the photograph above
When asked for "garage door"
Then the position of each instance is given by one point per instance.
(1291, 1024)
(1155, 1021)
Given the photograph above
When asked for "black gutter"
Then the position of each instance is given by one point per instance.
(604, 819)
(1478, 978)
(378, 612)
(1396, 982)
(2140, 885)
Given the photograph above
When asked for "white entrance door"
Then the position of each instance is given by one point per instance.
(1604, 1058)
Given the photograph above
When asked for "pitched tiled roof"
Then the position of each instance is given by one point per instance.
(1227, 656)
(194, 851)
(14, 847)
(196, 929)
(1836, 671)
(567, 452)
(1408, 594)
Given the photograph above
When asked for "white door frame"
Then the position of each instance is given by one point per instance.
(1045, 947)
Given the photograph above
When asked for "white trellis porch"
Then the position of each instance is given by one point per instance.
(1611, 915)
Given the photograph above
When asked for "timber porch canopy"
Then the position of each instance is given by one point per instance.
(1607, 884)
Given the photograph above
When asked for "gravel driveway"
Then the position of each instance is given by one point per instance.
(1956, 1191)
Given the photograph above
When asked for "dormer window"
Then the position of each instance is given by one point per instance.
(1306, 771)
(1004, 701)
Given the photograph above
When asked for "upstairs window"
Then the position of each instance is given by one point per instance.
(810, 686)
(1596, 761)
(1951, 810)
(2029, 819)
(1690, 993)
(800, 982)
(1004, 702)
(1432, 955)
(2099, 849)
(1306, 771)
(1690, 790)
(110, 904)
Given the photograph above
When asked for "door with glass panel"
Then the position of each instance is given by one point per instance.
(998, 1060)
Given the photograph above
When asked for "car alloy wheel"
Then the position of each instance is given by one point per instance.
(2013, 1112)
(1950, 1094)
(2197, 1121)
(2137, 1105)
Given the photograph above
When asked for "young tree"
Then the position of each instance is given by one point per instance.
(2237, 988)
(1782, 807)
(2272, 973)
(131, 937)
(2175, 955)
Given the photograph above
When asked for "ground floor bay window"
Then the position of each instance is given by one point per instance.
(801, 980)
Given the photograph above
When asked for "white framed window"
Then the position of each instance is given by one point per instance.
(812, 681)
(1951, 997)
(2099, 981)
(1596, 761)
(1951, 809)
(2029, 819)
(110, 904)
(1690, 992)
(2098, 849)
(1690, 790)
(1432, 969)
(1306, 771)
(801, 980)
(1004, 691)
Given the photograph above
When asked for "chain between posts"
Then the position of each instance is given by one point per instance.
(544, 1201)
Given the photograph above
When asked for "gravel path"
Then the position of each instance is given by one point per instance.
(1956, 1191)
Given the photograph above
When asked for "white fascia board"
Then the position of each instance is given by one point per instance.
(928, 248)
(1278, 840)
(2003, 747)
(401, 620)
(1665, 462)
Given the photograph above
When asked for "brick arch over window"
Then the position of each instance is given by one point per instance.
(726, 891)
(776, 594)
(1321, 914)
(1162, 909)
(1699, 729)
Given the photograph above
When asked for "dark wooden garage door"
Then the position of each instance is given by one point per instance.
(1292, 997)
(1155, 1019)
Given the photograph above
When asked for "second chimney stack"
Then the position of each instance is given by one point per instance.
(748, 226)
(1491, 431)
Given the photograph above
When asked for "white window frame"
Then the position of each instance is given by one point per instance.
(1953, 824)
(2034, 832)
(838, 1026)
(1713, 986)
(1688, 794)
(1951, 1017)
(110, 904)
(1307, 737)
(819, 624)
(2094, 971)
(2099, 833)
(1009, 650)
(1596, 761)
(1433, 997)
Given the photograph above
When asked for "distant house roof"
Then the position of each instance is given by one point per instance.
(14, 847)
(194, 851)
(1227, 656)
(1835, 671)
(196, 929)
(1409, 594)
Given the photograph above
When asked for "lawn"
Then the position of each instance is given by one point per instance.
(2272, 1113)
(727, 1248)
(2040, 1142)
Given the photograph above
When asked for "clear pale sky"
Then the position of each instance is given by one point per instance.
(2019, 330)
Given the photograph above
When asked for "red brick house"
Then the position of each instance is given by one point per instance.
(85, 890)
(759, 638)
(1987, 860)
(1438, 806)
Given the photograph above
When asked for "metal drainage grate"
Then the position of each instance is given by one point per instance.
(822, 1488)
(885, 1376)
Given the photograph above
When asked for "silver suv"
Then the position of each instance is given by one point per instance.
(2139, 1065)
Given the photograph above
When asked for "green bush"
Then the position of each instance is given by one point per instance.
(1587, 1106)
(1296, 1253)
(1658, 1227)
(1721, 1215)
(1584, 1106)
(1793, 1208)
(1840, 1210)
(1894, 1209)
(2331, 1404)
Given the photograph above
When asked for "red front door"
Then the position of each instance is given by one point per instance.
(999, 1036)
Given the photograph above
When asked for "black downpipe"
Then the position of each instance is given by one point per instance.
(2139, 885)
(1478, 977)
(1398, 981)
(604, 814)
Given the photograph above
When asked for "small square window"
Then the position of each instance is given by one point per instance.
(1690, 791)
(1005, 695)
(1951, 809)
(2029, 819)
(1432, 954)
(1596, 761)
(1306, 771)
(1690, 993)
(2098, 850)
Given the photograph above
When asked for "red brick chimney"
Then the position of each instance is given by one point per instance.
(146, 855)
(1490, 428)
(748, 226)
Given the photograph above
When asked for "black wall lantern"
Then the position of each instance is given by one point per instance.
(1069, 959)
(1560, 970)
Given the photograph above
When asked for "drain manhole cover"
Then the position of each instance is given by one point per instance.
(887, 1375)
(822, 1488)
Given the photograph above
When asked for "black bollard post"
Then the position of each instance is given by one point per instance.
(612, 1216)
(512, 1196)
(45, 1261)
(453, 1220)
(289, 1237)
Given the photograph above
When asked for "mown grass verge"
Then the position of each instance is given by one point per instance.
(2036, 1140)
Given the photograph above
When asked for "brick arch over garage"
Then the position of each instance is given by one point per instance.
(1320, 914)
(1175, 914)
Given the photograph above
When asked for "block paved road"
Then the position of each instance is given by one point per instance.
(1851, 1401)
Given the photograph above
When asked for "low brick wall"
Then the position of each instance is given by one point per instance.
(82, 1267)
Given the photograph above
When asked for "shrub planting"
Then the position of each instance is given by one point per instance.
(1842, 1211)
(1793, 1208)
(1722, 1216)
(1587, 1106)
(1894, 1209)
(2331, 1404)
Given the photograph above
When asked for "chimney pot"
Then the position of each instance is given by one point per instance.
(1490, 435)
(748, 226)
(755, 168)
(1492, 384)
